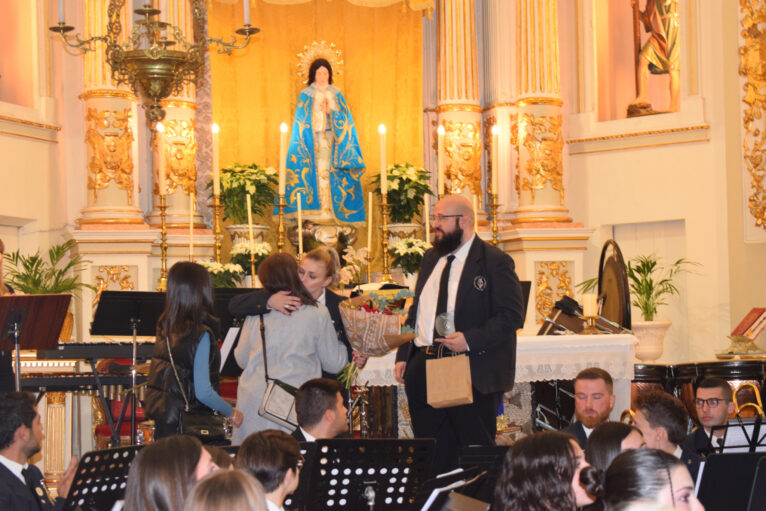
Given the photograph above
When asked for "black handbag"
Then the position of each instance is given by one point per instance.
(205, 424)
(278, 403)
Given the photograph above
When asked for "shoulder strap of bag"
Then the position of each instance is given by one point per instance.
(175, 371)
(263, 350)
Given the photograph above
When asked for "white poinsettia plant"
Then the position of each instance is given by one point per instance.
(408, 254)
(223, 275)
(356, 260)
(240, 253)
(407, 185)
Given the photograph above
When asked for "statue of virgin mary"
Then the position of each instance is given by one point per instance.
(324, 160)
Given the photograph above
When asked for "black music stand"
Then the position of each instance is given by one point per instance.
(367, 474)
(740, 435)
(489, 458)
(299, 499)
(126, 313)
(46, 314)
(463, 481)
(758, 493)
(727, 480)
(101, 479)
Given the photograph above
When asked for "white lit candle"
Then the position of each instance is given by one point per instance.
(247, 11)
(590, 305)
(383, 178)
(250, 223)
(427, 217)
(216, 164)
(162, 181)
(369, 223)
(441, 161)
(300, 226)
(191, 226)
(282, 157)
(61, 11)
(495, 160)
(475, 214)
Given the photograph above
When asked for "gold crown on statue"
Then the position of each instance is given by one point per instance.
(319, 50)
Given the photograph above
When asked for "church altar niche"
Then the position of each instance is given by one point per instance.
(620, 34)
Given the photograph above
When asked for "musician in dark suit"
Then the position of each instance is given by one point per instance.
(21, 435)
(321, 410)
(6, 367)
(478, 282)
(714, 403)
(594, 401)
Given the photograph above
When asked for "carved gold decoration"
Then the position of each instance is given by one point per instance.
(541, 137)
(487, 125)
(753, 67)
(317, 50)
(458, 108)
(462, 143)
(30, 123)
(553, 282)
(112, 275)
(110, 137)
(180, 146)
(639, 134)
(108, 93)
(55, 441)
(178, 103)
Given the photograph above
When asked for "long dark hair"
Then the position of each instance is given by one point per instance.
(638, 475)
(162, 474)
(605, 443)
(188, 302)
(313, 71)
(537, 474)
(279, 272)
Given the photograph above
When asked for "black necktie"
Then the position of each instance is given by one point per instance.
(441, 301)
(31, 483)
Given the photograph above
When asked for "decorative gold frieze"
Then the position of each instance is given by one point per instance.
(462, 143)
(541, 137)
(113, 275)
(552, 283)
(487, 125)
(180, 147)
(752, 67)
(109, 138)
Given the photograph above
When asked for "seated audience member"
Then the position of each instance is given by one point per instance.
(610, 439)
(714, 406)
(320, 409)
(274, 458)
(220, 457)
(545, 472)
(163, 473)
(594, 401)
(662, 420)
(21, 436)
(648, 479)
(227, 490)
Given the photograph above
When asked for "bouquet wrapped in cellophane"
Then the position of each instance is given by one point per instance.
(373, 321)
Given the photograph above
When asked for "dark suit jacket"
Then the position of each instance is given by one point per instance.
(488, 311)
(697, 442)
(298, 435)
(15, 496)
(692, 461)
(577, 430)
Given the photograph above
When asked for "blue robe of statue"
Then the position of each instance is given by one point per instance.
(346, 164)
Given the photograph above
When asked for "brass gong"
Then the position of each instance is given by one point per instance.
(613, 285)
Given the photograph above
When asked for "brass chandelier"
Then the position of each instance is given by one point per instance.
(156, 60)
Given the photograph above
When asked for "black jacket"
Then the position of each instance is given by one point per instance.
(576, 429)
(164, 401)
(15, 496)
(488, 311)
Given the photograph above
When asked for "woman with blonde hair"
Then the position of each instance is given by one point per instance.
(227, 490)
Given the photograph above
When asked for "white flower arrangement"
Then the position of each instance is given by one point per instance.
(408, 254)
(355, 260)
(240, 253)
(223, 275)
(407, 185)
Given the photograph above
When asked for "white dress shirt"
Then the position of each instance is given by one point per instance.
(14, 467)
(424, 326)
(273, 507)
(307, 435)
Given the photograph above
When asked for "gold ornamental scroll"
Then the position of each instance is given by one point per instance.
(552, 282)
(458, 96)
(110, 139)
(536, 129)
(752, 68)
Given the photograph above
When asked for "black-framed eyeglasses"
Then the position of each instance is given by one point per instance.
(440, 218)
(712, 402)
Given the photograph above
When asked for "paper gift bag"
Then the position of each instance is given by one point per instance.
(448, 381)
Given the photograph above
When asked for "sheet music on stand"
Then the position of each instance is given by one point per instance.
(101, 479)
(741, 435)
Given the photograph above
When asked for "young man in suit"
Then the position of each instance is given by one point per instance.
(477, 283)
(21, 435)
(594, 400)
(714, 403)
(321, 410)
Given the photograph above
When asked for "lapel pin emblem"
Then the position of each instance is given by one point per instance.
(480, 283)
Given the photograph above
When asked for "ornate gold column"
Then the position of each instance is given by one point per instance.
(537, 130)
(55, 445)
(458, 99)
(110, 137)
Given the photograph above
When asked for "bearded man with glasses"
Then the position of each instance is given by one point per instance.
(714, 405)
(475, 284)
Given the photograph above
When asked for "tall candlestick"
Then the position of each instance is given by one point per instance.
(369, 224)
(427, 217)
(475, 214)
(590, 305)
(247, 11)
(300, 226)
(191, 226)
(61, 11)
(383, 179)
(495, 160)
(250, 223)
(282, 157)
(440, 156)
(162, 184)
(216, 164)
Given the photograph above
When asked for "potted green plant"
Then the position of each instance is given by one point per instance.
(408, 254)
(56, 274)
(407, 185)
(223, 275)
(650, 285)
(236, 182)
